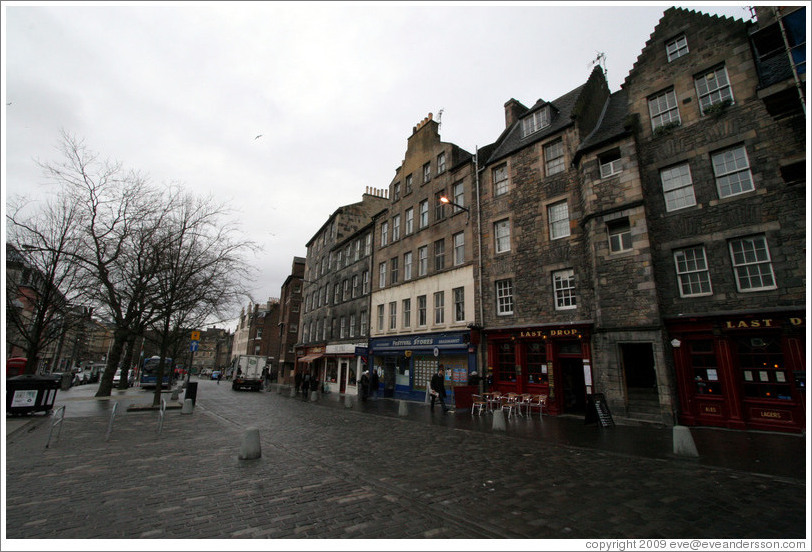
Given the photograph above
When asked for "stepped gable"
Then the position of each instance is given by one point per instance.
(672, 23)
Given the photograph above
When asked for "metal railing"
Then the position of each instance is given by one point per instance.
(59, 415)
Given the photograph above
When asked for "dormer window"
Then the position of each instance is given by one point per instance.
(676, 48)
(610, 163)
(537, 121)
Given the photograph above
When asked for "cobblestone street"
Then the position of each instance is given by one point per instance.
(332, 472)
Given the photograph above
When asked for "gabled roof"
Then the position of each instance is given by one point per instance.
(561, 110)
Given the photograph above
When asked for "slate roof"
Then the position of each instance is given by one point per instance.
(612, 125)
(560, 118)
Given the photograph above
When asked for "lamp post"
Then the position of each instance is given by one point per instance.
(445, 201)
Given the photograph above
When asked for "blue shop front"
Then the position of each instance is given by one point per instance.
(406, 363)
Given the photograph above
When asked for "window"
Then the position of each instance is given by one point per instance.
(422, 260)
(676, 48)
(393, 315)
(339, 258)
(439, 307)
(439, 206)
(678, 188)
(336, 294)
(382, 274)
(504, 297)
(368, 245)
(424, 213)
(663, 109)
(459, 248)
(732, 171)
(393, 270)
(408, 185)
(331, 327)
(426, 172)
(458, 191)
(396, 191)
(384, 233)
(459, 304)
(554, 157)
(535, 122)
(564, 286)
(407, 313)
(692, 272)
(352, 325)
(763, 368)
(441, 163)
(409, 221)
(380, 318)
(259, 332)
(363, 329)
(500, 179)
(396, 228)
(506, 361)
(355, 289)
(343, 328)
(348, 255)
(620, 235)
(439, 254)
(537, 362)
(407, 266)
(365, 282)
(501, 234)
(610, 163)
(795, 28)
(712, 88)
(346, 291)
(421, 310)
(559, 220)
(752, 264)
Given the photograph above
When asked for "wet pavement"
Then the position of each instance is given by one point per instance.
(339, 469)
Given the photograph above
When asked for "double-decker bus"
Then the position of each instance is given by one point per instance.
(149, 372)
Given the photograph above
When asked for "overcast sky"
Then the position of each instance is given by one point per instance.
(181, 90)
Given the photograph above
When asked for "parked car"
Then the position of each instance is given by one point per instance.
(205, 373)
(117, 378)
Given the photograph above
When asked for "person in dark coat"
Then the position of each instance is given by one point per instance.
(474, 378)
(438, 389)
(364, 385)
(373, 384)
(297, 379)
(306, 387)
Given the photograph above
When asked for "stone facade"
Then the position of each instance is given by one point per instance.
(290, 301)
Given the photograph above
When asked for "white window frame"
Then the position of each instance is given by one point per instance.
(501, 182)
(381, 318)
(554, 157)
(459, 248)
(427, 172)
(536, 121)
(342, 327)
(422, 315)
(382, 275)
(750, 256)
(407, 313)
(678, 187)
(619, 233)
(422, 260)
(368, 245)
(365, 282)
(558, 219)
(459, 304)
(713, 87)
(612, 167)
(501, 236)
(395, 228)
(504, 297)
(676, 48)
(441, 163)
(423, 222)
(407, 266)
(363, 329)
(564, 289)
(393, 315)
(352, 325)
(691, 265)
(439, 254)
(731, 169)
(409, 226)
(439, 308)
(355, 286)
(458, 191)
(663, 109)
(394, 269)
(384, 233)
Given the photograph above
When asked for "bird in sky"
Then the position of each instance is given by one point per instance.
(258, 136)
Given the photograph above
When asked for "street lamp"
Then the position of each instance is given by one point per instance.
(445, 201)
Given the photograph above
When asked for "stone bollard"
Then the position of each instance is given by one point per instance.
(292, 392)
(499, 420)
(347, 401)
(174, 396)
(684, 442)
(314, 396)
(403, 408)
(188, 406)
(250, 449)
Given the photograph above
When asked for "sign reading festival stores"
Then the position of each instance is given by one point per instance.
(441, 341)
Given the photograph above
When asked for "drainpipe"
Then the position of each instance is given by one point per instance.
(480, 359)
(798, 87)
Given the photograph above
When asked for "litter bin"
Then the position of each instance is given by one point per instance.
(30, 393)
(191, 392)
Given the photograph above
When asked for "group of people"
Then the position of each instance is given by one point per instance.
(369, 385)
(305, 383)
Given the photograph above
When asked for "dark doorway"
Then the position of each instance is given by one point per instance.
(389, 369)
(638, 365)
(572, 375)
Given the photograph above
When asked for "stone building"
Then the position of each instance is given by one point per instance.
(290, 302)
(423, 297)
(335, 320)
(257, 331)
(721, 141)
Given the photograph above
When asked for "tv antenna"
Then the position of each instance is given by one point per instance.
(440, 119)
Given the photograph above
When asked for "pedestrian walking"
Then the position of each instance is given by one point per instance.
(305, 387)
(297, 379)
(438, 389)
(474, 378)
(373, 384)
(364, 385)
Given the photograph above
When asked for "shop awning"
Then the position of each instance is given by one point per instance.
(310, 358)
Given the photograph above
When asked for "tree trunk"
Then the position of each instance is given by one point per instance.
(106, 382)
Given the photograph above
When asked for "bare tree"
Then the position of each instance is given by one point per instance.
(203, 269)
(43, 281)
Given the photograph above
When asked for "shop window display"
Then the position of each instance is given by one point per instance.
(703, 364)
(762, 364)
